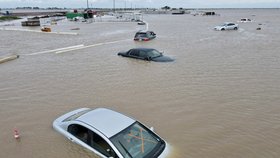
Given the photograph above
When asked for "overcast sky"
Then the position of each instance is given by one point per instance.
(142, 3)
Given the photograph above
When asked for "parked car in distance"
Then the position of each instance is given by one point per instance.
(141, 23)
(227, 26)
(148, 54)
(144, 36)
(244, 20)
(108, 133)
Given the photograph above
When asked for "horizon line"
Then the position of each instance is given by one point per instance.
(36, 8)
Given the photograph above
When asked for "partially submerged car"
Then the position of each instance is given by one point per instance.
(227, 26)
(110, 134)
(141, 23)
(144, 36)
(244, 20)
(148, 54)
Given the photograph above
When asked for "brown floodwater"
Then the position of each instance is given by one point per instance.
(220, 98)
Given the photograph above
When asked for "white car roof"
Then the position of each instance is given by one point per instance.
(107, 121)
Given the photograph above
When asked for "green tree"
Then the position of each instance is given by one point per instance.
(166, 8)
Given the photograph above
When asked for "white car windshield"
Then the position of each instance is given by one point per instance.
(138, 142)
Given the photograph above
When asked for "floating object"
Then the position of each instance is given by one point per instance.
(258, 28)
(9, 58)
(46, 29)
(16, 134)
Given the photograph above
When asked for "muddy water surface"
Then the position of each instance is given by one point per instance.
(220, 98)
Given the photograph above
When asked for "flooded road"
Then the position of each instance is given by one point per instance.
(220, 98)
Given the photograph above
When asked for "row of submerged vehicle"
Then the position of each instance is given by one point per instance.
(148, 54)
(110, 134)
(231, 25)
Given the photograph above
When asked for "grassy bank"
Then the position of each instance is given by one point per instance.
(6, 18)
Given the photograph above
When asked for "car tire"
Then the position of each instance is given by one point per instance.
(222, 29)
(235, 28)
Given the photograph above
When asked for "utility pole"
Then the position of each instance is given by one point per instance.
(124, 4)
(114, 6)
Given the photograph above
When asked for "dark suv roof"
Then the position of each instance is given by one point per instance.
(149, 54)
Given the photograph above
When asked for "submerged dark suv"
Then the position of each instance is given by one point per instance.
(149, 54)
(144, 36)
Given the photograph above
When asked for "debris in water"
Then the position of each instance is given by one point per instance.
(16, 134)
(46, 29)
(76, 28)
(9, 58)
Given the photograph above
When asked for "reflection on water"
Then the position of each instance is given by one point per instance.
(218, 99)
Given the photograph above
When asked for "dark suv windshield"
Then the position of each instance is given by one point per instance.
(141, 35)
(137, 141)
(153, 53)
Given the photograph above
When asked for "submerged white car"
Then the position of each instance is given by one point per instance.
(227, 26)
(110, 134)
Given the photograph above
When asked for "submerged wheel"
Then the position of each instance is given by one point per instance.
(222, 29)
(235, 28)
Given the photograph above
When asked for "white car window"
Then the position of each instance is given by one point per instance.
(92, 139)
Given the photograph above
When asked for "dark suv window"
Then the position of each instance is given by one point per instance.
(134, 53)
(142, 54)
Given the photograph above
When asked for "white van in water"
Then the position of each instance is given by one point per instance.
(110, 134)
